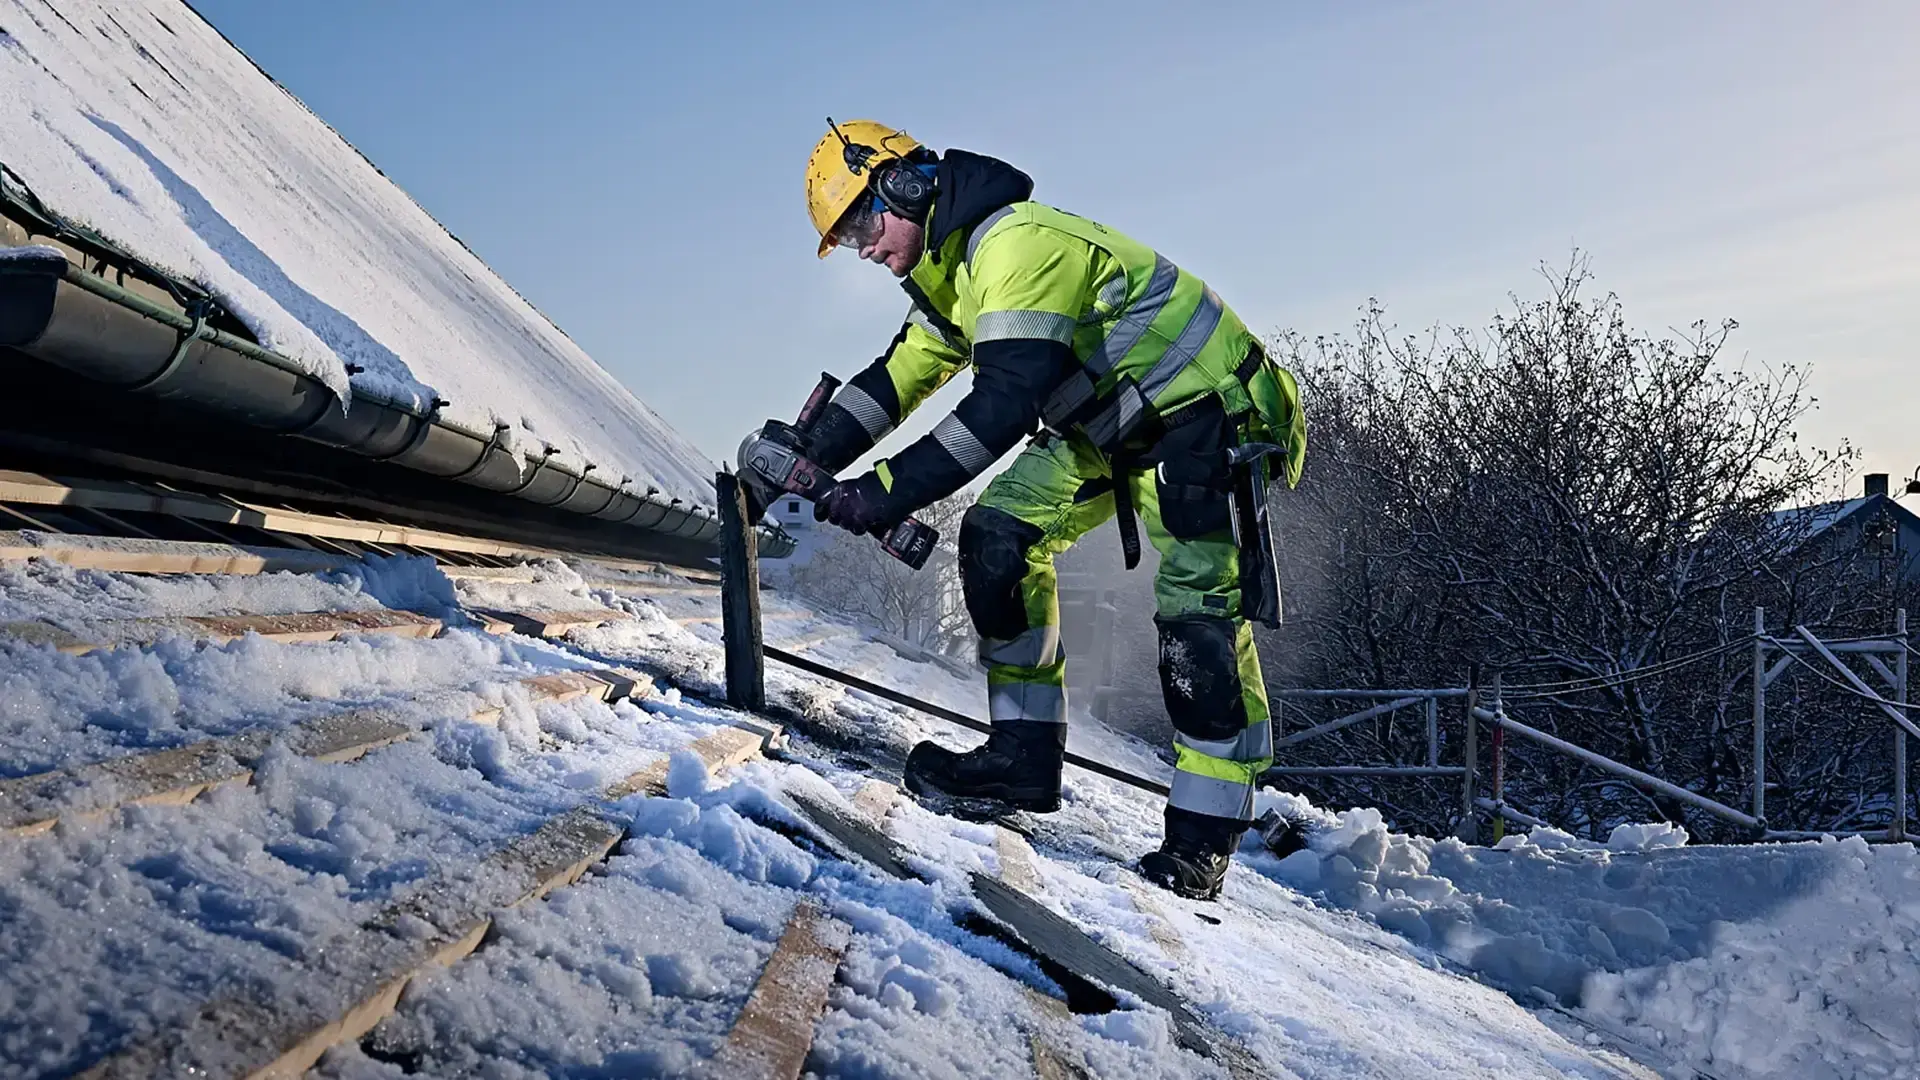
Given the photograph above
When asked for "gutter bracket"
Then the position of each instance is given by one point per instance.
(419, 436)
(199, 310)
(486, 454)
(533, 475)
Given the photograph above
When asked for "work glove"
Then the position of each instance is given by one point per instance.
(859, 506)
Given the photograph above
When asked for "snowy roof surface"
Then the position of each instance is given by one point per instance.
(138, 120)
(1368, 954)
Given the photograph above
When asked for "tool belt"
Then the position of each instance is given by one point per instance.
(1202, 492)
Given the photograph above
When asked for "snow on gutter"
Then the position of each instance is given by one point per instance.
(58, 312)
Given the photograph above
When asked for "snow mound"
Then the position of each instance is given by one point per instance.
(1770, 960)
(138, 120)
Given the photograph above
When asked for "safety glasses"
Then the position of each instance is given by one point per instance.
(860, 226)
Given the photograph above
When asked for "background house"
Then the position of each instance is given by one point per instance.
(1872, 530)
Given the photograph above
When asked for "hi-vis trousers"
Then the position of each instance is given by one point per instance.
(1056, 491)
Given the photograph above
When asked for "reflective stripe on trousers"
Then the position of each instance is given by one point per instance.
(1044, 703)
(1253, 744)
(1038, 646)
(1212, 795)
(1217, 777)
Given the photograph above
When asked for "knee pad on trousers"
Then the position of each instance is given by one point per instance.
(993, 562)
(1200, 676)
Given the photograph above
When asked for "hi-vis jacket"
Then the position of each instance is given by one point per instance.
(1066, 322)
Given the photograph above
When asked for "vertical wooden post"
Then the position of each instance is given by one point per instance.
(1468, 830)
(1760, 717)
(1897, 831)
(1499, 763)
(740, 597)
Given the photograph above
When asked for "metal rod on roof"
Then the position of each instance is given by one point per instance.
(952, 717)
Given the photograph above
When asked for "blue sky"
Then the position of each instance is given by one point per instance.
(634, 168)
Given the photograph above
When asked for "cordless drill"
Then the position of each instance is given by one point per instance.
(773, 461)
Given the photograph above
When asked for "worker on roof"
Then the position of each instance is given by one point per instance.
(1139, 381)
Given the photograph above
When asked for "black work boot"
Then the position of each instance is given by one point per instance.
(1192, 860)
(1017, 768)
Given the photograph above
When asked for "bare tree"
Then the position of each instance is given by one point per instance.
(851, 576)
(1592, 510)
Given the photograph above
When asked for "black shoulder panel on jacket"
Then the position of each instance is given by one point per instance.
(969, 187)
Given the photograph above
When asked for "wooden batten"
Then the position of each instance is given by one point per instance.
(435, 926)
(774, 1030)
(136, 556)
(1016, 859)
(725, 748)
(174, 777)
(297, 627)
(543, 623)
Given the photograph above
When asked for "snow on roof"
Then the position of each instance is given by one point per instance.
(138, 120)
(1342, 961)
(1808, 522)
(1819, 517)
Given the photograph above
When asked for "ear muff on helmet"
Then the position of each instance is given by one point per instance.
(905, 189)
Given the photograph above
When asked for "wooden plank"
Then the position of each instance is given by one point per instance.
(740, 597)
(875, 799)
(606, 684)
(156, 497)
(1158, 926)
(1057, 939)
(163, 556)
(1016, 857)
(1044, 931)
(524, 575)
(721, 750)
(543, 623)
(662, 588)
(435, 926)
(1049, 1061)
(774, 1030)
(513, 575)
(174, 777)
(36, 489)
(859, 838)
(297, 627)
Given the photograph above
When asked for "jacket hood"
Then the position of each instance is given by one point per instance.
(970, 186)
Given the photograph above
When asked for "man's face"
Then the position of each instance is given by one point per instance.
(898, 245)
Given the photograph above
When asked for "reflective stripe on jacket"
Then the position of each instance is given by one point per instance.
(1128, 313)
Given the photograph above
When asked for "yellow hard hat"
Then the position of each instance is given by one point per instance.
(841, 163)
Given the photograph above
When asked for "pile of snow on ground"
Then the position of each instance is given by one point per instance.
(1770, 960)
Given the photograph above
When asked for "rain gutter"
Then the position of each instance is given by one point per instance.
(60, 313)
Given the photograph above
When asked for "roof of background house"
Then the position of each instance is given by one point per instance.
(1820, 517)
